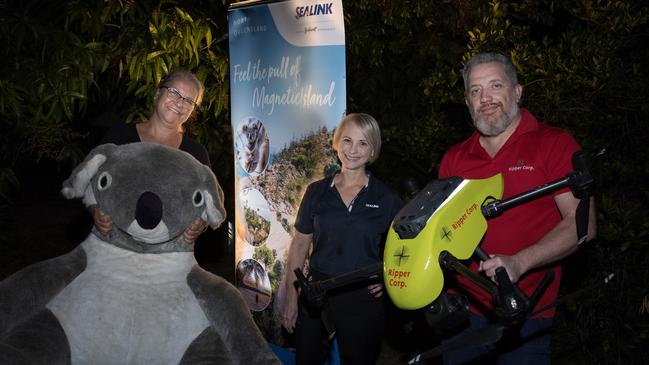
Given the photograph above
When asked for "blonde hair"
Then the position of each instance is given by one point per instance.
(370, 128)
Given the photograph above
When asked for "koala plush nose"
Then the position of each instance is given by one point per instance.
(148, 211)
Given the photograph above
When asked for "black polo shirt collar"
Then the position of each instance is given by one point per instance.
(332, 187)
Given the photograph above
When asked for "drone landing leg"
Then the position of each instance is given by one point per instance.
(513, 304)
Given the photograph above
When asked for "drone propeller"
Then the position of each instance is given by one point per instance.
(493, 333)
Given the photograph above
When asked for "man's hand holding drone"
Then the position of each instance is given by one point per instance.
(511, 265)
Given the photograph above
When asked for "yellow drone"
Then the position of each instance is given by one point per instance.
(442, 225)
(444, 217)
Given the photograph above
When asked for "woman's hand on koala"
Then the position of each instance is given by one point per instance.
(194, 230)
(103, 221)
(104, 224)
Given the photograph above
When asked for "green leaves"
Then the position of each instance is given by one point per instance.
(59, 60)
(72, 68)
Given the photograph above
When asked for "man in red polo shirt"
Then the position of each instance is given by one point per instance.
(526, 240)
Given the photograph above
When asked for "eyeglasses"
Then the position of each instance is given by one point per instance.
(174, 95)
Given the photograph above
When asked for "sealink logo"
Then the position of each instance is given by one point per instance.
(310, 10)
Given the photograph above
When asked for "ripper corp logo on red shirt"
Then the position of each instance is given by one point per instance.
(521, 166)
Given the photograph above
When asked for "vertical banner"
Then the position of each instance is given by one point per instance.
(287, 90)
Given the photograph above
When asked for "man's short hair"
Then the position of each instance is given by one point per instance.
(480, 58)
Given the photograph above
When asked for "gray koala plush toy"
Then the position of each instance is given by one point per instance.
(137, 295)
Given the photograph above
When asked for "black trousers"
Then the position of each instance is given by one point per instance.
(358, 319)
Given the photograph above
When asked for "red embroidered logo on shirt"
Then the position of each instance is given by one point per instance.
(521, 166)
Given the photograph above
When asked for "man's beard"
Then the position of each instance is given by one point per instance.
(494, 127)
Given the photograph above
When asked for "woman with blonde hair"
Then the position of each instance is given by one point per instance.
(345, 217)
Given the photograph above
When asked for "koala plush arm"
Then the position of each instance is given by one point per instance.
(27, 291)
(230, 318)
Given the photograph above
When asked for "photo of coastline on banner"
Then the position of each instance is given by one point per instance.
(287, 95)
(257, 217)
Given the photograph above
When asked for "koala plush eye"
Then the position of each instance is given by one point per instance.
(104, 181)
(198, 198)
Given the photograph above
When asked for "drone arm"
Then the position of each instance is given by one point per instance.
(538, 292)
(297, 254)
(581, 181)
(497, 207)
(316, 291)
(353, 277)
(448, 261)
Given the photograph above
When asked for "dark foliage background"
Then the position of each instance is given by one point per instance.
(68, 69)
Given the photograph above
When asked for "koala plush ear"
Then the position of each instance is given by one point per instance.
(78, 184)
(214, 213)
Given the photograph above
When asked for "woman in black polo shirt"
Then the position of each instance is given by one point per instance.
(346, 217)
